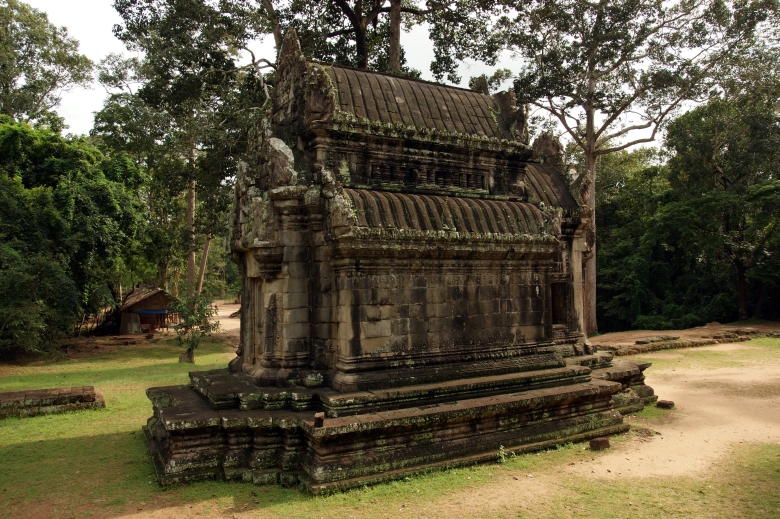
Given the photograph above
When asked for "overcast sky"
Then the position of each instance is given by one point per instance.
(91, 21)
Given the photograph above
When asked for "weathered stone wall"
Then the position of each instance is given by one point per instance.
(440, 320)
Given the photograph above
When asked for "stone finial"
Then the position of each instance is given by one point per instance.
(480, 84)
(549, 148)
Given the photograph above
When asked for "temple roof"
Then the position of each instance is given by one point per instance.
(549, 186)
(392, 99)
(380, 209)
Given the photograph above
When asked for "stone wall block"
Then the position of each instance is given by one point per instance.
(418, 326)
(487, 292)
(297, 284)
(383, 296)
(323, 284)
(419, 296)
(324, 314)
(295, 330)
(296, 315)
(389, 311)
(456, 293)
(345, 333)
(399, 327)
(324, 331)
(418, 311)
(373, 313)
(298, 269)
(370, 330)
(460, 307)
(295, 300)
(444, 310)
(420, 281)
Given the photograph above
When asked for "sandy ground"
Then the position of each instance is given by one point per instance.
(223, 313)
(714, 410)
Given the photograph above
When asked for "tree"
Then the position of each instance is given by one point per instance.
(609, 69)
(127, 125)
(724, 176)
(190, 73)
(38, 62)
(195, 322)
(68, 221)
(355, 34)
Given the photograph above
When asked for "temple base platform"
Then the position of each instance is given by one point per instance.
(223, 426)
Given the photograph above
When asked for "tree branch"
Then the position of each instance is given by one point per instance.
(277, 30)
(339, 33)
(562, 118)
(348, 12)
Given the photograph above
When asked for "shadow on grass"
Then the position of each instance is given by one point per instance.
(164, 350)
(109, 474)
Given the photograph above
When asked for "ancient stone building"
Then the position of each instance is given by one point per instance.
(411, 271)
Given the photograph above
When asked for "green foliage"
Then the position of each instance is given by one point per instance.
(195, 319)
(694, 240)
(68, 221)
(37, 62)
(501, 456)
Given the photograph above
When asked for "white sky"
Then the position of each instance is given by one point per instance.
(91, 22)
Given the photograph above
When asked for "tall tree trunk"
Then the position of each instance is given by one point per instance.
(589, 290)
(191, 232)
(269, 7)
(203, 261)
(191, 221)
(162, 275)
(361, 46)
(760, 304)
(742, 287)
(395, 35)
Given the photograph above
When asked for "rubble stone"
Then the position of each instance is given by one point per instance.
(34, 402)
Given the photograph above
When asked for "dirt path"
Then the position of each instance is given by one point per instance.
(715, 409)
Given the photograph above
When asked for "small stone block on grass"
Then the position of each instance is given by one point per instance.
(665, 404)
(599, 444)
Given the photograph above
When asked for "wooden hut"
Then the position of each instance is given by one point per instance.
(145, 310)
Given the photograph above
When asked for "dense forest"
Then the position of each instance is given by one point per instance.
(670, 113)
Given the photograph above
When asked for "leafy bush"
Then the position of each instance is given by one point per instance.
(195, 319)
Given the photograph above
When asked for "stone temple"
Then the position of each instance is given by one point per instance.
(412, 294)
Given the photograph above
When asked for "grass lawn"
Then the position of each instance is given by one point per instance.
(94, 463)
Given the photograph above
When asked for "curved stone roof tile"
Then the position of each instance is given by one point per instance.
(549, 186)
(382, 209)
(392, 99)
